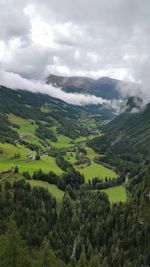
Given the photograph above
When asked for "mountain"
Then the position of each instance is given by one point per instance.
(69, 120)
(132, 127)
(105, 87)
(126, 139)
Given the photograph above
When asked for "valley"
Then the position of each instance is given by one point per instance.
(43, 134)
(63, 165)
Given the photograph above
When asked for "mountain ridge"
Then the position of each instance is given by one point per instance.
(105, 87)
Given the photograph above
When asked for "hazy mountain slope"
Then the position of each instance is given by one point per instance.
(105, 87)
(134, 127)
(69, 120)
(126, 138)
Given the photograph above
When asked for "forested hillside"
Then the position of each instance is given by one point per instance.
(126, 139)
(63, 203)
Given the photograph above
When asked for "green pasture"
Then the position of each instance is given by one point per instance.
(116, 194)
(27, 127)
(71, 157)
(7, 160)
(96, 170)
(91, 154)
(63, 142)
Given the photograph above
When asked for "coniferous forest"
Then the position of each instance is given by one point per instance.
(86, 229)
(74, 133)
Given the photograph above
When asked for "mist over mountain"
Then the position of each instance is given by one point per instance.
(16, 81)
(104, 87)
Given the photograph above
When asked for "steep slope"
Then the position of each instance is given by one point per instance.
(132, 127)
(126, 140)
(105, 87)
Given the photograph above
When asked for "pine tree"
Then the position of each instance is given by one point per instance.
(83, 260)
(47, 258)
(12, 250)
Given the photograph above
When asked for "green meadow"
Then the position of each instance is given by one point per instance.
(116, 194)
(63, 142)
(71, 157)
(27, 127)
(96, 170)
(7, 160)
(93, 170)
(81, 139)
(91, 154)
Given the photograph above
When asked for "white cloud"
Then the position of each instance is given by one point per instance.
(14, 81)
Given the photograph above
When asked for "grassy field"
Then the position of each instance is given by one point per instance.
(96, 170)
(91, 154)
(116, 194)
(80, 139)
(53, 189)
(7, 160)
(63, 142)
(27, 127)
(71, 157)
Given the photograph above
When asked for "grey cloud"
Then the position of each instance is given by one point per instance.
(93, 37)
(14, 23)
(30, 61)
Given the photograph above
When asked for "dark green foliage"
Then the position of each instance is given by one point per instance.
(71, 177)
(16, 170)
(126, 141)
(6, 133)
(14, 252)
(98, 183)
(33, 209)
(44, 133)
(37, 156)
(12, 249)
(88, 231)
(63, 164)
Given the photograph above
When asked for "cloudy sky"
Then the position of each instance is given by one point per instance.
(76, 37)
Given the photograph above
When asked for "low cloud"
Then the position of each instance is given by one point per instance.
(15, 81)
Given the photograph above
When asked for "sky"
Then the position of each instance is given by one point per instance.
(75, 37)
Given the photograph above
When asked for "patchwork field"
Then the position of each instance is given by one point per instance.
(93, 170)
(24, 158)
